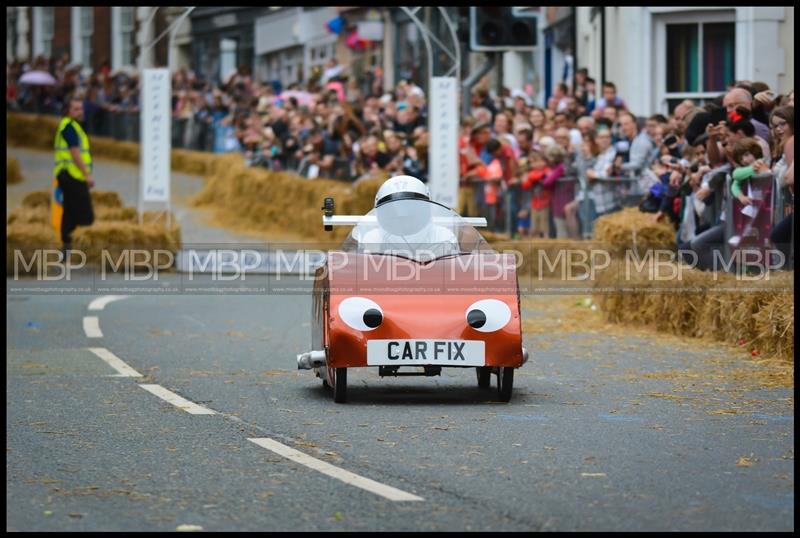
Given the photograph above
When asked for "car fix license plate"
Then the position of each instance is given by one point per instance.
(421, 352)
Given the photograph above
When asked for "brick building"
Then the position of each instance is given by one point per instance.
(94, 36)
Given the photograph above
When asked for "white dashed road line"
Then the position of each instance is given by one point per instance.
(91, 326)
(393, 494)
(177, 401)
(115, 362)
(101, 302)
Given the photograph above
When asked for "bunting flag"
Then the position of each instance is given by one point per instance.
(356, 42)
(336, 25)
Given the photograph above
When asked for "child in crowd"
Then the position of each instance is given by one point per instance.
(746, 154)
(523, 222)
(492, 177)
(536, 198)
(558, 192)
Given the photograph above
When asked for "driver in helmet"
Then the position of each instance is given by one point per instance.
(405, 223)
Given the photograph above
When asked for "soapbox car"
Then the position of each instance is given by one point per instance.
(416, 287)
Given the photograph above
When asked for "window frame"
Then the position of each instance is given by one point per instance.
(126, 34)
(48, 30)
(700, 18)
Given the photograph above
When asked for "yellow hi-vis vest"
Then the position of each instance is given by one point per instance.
(63, 156)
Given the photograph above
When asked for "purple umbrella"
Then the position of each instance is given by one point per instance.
(303, 98)
(38, 78)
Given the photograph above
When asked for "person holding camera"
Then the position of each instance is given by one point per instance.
(676, 185)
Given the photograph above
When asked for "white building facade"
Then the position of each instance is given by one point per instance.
(290, 42)
(658, 56)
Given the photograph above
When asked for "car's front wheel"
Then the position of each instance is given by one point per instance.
(484, 376)
(505, 383)
(340, 385)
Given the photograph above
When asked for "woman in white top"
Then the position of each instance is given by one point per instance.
(781, 122)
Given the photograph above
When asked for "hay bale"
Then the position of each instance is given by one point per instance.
(37, 212)
(31, 130)
(42, 198)
(704, 305)
(105, 213)
(38, 131)
(35, 199)
(115, 229)
(24, 239)
(632, 229)
(29, 215)
(260, 200)
(13, 171)
(115, 237)
(774, 327)
(117, 150)
(193, 162)
(544, 258)
(105, 199)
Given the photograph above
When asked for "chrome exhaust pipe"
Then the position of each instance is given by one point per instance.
(311, 359)
(524, 355)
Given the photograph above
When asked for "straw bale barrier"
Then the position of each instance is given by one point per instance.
(632, 229)
(252, 198)
(31, 130)
(262, 200)
(117, 236)
(36, 208)
(36, 199)
(29, 215)
(100, 199)
(105, 199)
(758, 314)
(544, 258)
(116, 228)
(13, 171)
(27, 238)
(38, 131)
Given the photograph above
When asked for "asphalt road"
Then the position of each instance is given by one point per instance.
(597, 436)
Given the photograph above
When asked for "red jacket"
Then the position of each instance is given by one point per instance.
(541, 194)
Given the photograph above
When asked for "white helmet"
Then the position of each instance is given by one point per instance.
(399, 187)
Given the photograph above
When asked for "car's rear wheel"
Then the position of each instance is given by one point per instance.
(340, 385)
(505, 383)
(484, 376)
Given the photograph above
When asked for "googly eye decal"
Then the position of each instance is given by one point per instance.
(488, 315)
(360, 313)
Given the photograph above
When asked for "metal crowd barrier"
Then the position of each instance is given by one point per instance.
(717, 184)
(511, 215)
(125, 125)
(767, 189)
(627, 199)
(585, 211)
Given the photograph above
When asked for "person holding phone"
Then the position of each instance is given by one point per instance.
(782, 122)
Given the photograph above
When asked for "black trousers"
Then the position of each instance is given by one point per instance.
(781, 237)
(77, 205)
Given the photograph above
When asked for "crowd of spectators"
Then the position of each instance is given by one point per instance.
(329, 128)
(531, 170)
(552, 171)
